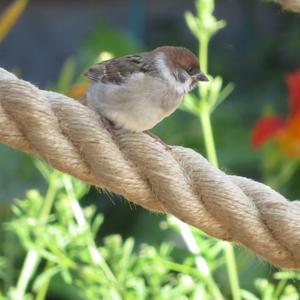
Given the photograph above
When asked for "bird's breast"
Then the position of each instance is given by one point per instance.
(138, 105)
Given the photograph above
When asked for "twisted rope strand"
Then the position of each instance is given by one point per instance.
(70, 137)
(293, 5)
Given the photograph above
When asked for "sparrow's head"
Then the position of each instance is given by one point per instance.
(181, 67)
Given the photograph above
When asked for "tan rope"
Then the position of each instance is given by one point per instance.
(70, 137)
(293, 5)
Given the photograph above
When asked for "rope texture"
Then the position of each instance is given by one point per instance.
(292, 5)
(71, 138)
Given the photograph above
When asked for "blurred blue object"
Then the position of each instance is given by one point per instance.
(136, 18)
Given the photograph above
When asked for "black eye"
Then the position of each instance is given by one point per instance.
(189, 70)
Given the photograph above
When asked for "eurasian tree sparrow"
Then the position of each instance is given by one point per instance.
(137, 91)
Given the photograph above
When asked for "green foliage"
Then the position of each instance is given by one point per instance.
(2, 268)
(204, 25)
(106, 38)
(63, 245)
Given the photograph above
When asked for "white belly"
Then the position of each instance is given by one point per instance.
(137, 105)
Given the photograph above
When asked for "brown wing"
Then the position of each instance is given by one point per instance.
(117, 70)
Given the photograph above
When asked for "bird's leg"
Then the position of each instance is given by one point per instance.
(109, 126)
(83, 100)
(156, 138)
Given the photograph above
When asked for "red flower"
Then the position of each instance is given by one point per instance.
(293, 83)
(265, 129)
(286, 133)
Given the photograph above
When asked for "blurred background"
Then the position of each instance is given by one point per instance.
(259, 46)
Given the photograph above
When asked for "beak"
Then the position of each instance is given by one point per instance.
(201, 77)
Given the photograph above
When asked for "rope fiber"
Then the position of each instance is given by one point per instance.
(292, 5)
(71, 138)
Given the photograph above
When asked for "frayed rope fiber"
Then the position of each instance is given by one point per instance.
(292, 5)
(71, 138)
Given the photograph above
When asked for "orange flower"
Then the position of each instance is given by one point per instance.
(78, 90)
(288, 139)
(286, 133)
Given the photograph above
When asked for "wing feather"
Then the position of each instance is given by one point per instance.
(117, 70)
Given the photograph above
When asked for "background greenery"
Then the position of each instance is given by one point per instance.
(52, 247)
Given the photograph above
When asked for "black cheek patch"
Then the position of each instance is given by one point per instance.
(181, 77)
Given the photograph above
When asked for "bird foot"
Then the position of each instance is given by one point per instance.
(109, 126)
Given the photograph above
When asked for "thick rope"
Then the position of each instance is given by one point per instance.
(292, 5)
(70, 137)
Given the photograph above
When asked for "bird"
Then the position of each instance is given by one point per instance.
(137, 91)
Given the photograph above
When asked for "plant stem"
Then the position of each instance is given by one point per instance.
(30, 264)
(279, 289)
(201, 263)
(41, 295)
(49, 199)
(204, 115)
(232, 271)
(203, 60)
(32, 258)
(212, 157)
(203, 53)
(208, 138)
(81, 221)
(286, 172)
(229, 252)
(212, 287)
(94, 253)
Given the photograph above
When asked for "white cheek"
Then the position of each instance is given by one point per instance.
(187, 85)
(180, 88)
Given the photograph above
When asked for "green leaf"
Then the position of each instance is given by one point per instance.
(11, 16)
(287, 275)
(268, 293)
(223, 95)
(246, 295)
(214, 90)
(66, 275)
(45, 277)
(66, 76)
(205, 7)
(97, 222)
(192, 23)
(189, 104)
(44, 169)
